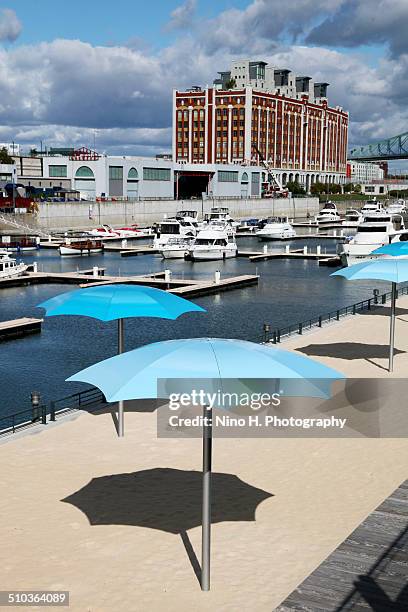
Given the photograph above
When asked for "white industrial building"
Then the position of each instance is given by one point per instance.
(364, 172)
(130, 177)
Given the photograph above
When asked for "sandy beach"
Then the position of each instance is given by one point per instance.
(134, 555)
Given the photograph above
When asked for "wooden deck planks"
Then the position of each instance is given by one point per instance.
(368, 571)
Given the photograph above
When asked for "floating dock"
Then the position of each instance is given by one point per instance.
(294, 254)
(19, 327)
(186, 288)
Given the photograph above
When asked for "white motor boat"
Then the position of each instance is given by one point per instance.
(174, 228)
(276, 228)
(396, 208)
(328, 215)
(106, 231)
(376, 230)
(352, 218)
(9, 266)
(176, 248)
(221, 215)
(216, 241)
(372, 206)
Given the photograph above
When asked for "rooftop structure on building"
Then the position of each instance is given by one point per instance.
(260, 75)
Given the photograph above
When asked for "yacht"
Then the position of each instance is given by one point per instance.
(372, 206)
(9, 266)
(220, 214)
(397, 208)
(216, 241)
(376, 230)
(276, 228)
(352, 218)
(328, 215)
(174, 228)
(176, 248)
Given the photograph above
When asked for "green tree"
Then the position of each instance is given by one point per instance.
(33, 152)
(318, 188)
(348, 187)
(357, 188)
(230, 84)
(295, 188)
(5, 157)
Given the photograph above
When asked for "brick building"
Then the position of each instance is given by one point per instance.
(253, 113)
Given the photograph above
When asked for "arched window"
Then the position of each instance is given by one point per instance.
(133, 174)
(84, 172)
(244, 177)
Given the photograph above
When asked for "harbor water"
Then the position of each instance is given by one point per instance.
(289, 291)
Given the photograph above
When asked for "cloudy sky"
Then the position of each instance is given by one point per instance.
(74, 71)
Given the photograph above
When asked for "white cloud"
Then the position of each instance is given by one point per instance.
(61, 91)
(10, 26)
(182, 16)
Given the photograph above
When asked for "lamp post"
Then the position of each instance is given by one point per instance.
(35, 403)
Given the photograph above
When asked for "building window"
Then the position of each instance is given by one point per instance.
(244, 177)
(57, 171)
(225, 176)
(116, 173)
(84, 172)
(133, 174)
(157, 174)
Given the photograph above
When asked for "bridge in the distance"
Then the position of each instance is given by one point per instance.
(383, 150)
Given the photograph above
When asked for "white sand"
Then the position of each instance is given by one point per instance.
(322, 489)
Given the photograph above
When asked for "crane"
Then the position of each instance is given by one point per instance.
(275, 186)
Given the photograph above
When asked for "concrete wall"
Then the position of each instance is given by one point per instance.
(60, 215)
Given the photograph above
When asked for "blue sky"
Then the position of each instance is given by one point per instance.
(70, 68)
(103, 22)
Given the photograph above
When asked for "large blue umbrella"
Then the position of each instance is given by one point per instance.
(111, 302)
(394, 270)
(136, 374)
(395, 249)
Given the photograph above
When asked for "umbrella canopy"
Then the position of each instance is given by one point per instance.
(135, 375)
(394, 270)
(395, 249)
(110, 302)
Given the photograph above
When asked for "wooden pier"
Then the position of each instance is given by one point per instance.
(368, 571)
(294, 254)
(182, 287)
(19, 327)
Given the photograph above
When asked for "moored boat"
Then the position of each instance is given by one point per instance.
(276, 228)
(9, 266)
(81, 247)
(328, 215)
(216, 241)
(176, 248)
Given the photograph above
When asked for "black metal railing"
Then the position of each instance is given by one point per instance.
(15, 421)
(276, 335)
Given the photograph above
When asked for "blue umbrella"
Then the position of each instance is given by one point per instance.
(384, 269)
(136, 375)
(395, 249)
(111, 302)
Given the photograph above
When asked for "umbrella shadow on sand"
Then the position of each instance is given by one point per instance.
(350, 351)
(166, 499)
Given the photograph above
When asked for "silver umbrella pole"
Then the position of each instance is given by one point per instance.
(121, 349)
(392, 325)
(206, 518)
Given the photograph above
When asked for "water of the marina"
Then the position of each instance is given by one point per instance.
(289, 291)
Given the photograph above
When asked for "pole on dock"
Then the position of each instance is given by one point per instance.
(318, 249)
(392, 325)
(217, 277)
(265, 248)
(206, 508)
(287, 249)
(121, 349)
